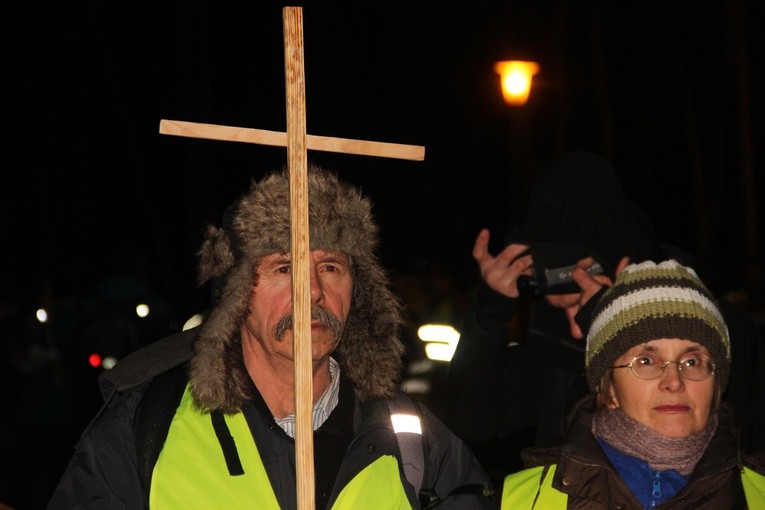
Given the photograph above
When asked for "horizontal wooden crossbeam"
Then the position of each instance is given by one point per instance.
(279, 139)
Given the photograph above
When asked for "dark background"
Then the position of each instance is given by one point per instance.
(99, 210)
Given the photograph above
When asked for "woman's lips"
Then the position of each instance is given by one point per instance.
(672, 408)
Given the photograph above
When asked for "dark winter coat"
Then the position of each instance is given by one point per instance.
(532, 384)
(110, 465)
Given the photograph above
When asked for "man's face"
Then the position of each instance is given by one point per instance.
(269, 322)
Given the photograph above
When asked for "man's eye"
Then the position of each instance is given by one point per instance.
(283, 269)
(330, 268)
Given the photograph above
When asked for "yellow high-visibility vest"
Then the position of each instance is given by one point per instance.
(191, 471)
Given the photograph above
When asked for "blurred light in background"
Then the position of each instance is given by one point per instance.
(142, 310)
(515, 76)
(439, 352)
(94, 360)
(42, 315)
(418, 386)
(441, 341)
(193, 322)
(420, 366)
(438, 333)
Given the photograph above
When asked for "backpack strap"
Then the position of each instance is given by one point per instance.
(411, 435)
(153, 417)
(410, 427)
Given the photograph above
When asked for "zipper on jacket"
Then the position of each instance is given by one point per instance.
(656, 494)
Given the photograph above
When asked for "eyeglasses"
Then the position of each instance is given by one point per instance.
(692, 367)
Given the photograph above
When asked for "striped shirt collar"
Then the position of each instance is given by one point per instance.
(323, 407)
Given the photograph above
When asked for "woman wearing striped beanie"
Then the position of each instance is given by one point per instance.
(654, 432)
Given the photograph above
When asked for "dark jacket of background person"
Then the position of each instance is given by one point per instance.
(508, 397)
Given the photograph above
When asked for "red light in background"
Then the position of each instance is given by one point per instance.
(94, 360)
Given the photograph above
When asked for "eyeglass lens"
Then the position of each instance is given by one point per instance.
(692, 366)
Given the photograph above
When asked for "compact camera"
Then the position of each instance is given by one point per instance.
(553, 269)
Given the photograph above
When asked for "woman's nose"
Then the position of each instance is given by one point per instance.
(672, 379)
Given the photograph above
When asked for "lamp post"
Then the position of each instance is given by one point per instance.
(516, 78)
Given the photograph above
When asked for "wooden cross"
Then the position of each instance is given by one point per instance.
(297, 142)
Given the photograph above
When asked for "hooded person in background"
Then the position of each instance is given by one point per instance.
(205, 419)
(580, 221)
(654, 433)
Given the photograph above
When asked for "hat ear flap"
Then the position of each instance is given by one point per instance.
(215, 256)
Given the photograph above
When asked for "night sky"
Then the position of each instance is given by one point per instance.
(670, 94)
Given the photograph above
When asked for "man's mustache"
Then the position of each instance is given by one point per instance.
(318, 313)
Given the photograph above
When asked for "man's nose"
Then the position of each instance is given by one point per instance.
(317, 290)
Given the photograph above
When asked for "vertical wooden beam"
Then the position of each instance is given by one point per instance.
(299, 234)
(297, 142)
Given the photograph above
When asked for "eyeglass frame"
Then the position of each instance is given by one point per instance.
(664, 367)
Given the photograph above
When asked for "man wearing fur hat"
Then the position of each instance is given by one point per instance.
(205, 419)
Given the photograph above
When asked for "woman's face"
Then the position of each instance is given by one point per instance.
(670, 404)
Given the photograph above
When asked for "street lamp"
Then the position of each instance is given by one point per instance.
(516, 80)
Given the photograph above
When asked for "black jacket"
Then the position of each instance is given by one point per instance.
(496, 390)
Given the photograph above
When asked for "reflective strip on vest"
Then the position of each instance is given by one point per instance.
(524, 489)
(191, 471)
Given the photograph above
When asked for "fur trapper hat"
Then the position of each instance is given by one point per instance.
(340, 219)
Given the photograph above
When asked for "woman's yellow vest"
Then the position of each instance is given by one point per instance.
(191, 471)
(532, 488)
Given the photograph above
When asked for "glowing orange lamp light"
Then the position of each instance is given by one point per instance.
(516, 80)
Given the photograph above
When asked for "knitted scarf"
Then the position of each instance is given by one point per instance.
(660, 452)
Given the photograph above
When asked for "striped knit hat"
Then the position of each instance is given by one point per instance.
(648, 302)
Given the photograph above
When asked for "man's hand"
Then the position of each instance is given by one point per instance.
(590, 285)
(501, 272)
